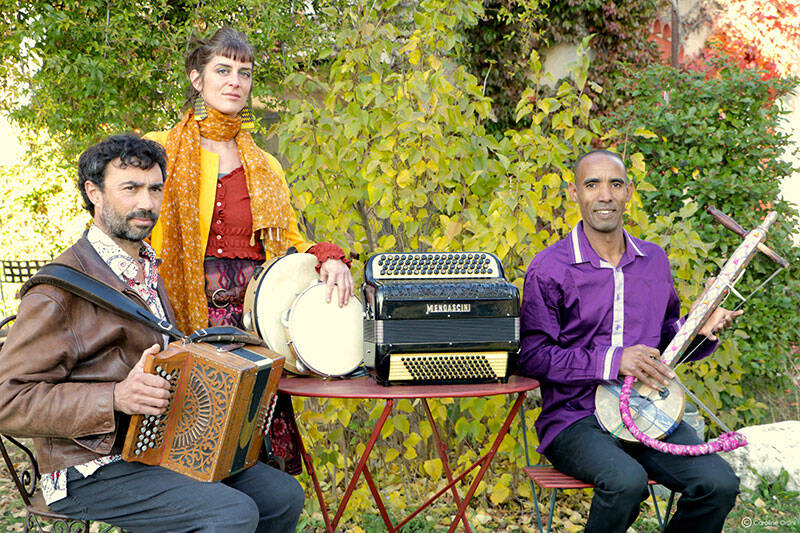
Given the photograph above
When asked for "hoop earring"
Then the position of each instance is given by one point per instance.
(199, 105)
(248, 121)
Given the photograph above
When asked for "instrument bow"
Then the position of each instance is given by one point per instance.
(711, 298)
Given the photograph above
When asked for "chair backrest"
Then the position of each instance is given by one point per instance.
(25, 473)
(4, 327)
(15, 273)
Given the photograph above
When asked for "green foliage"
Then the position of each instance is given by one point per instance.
(498, 51)
(396, 156)
(775, 489)
(620, 31)
(718, 142)
(510, 29)
(83, 70)
(40, 213)
(374, 524)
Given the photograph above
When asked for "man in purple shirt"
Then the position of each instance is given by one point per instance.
(596, 306)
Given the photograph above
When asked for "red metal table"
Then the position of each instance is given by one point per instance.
(367, 388)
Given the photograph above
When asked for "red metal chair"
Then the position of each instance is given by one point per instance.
(547, 477)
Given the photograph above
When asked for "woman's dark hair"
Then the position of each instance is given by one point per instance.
(226, 42)
(130, 149)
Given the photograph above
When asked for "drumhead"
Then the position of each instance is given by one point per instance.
(272, 292)
(654, 415)
(327, 339)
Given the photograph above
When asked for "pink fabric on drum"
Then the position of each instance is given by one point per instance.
(725, 443)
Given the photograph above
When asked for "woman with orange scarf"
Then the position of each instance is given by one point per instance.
(226, 207)
(226, 202)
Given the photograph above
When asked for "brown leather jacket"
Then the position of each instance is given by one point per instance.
(60, 362)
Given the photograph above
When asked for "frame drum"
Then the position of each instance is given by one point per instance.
(326, 339)
(272, 291)
(656, 413)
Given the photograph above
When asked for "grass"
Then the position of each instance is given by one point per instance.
(775, 514)
(781, 515)
(769, 508)
(748, 516)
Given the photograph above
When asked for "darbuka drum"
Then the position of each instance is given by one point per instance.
(275, 285)
(326, 339)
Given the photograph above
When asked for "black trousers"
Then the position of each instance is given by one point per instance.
(150, 499)
(619, 471)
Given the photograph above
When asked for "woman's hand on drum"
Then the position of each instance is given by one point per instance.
(335, 272)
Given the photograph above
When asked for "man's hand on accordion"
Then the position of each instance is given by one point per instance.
(141, 393)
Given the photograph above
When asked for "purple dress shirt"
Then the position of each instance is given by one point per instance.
(579, 312)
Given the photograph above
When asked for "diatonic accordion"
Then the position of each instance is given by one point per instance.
(441, 317)
(221, 398)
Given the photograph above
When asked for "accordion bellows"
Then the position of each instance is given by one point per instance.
(219, 408)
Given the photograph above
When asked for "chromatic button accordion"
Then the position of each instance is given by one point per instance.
(445, 317)
(221, 400)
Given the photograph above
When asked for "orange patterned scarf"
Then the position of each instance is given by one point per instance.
(182, 252)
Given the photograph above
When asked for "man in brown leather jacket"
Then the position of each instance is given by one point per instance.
(71, 373)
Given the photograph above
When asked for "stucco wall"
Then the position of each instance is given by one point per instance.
(791, 186)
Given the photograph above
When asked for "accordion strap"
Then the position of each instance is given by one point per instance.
(224, 334)
(105, 296)
(99, 293)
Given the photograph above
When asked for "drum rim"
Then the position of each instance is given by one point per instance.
(261, 277)
(353, 299)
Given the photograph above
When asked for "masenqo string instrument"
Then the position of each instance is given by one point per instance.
(633, 411)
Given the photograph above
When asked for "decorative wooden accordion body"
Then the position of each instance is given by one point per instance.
(439, 318)
(220, 405)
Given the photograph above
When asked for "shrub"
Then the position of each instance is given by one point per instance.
(388, 150)
(718, 141)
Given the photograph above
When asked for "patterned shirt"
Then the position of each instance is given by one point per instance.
(54, 484)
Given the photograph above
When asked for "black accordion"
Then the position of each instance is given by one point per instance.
(444, 317)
